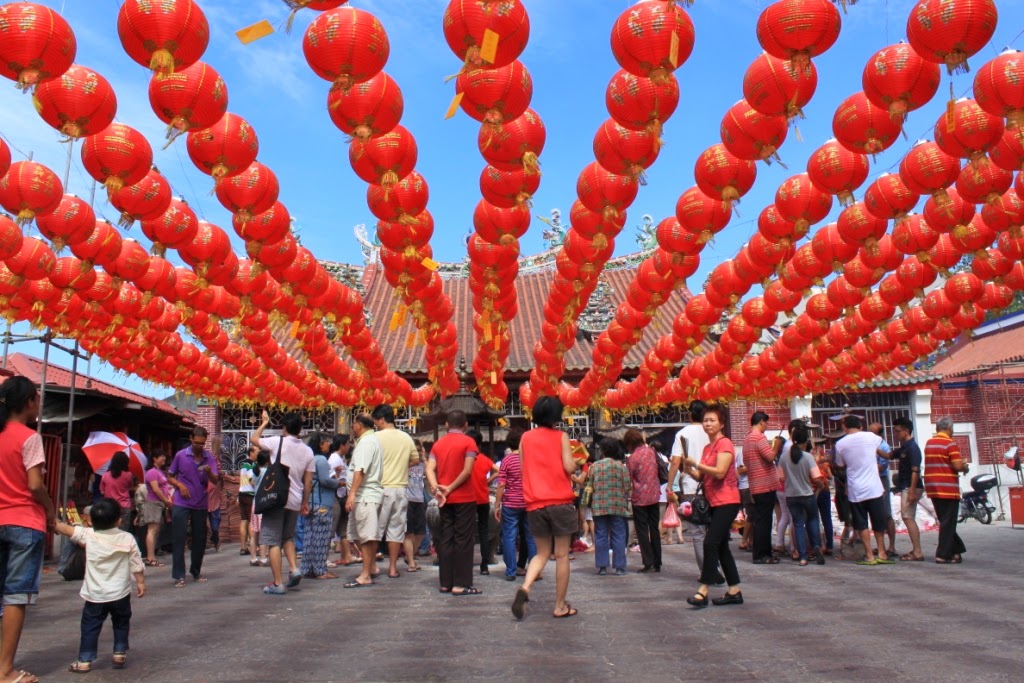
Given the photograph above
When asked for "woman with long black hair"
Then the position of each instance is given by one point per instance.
(721, 489)
(803, 480)
(117, 483)
(26, 512)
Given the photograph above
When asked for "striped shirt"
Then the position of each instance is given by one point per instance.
(510, 475)
(940, 479)
(758, 457)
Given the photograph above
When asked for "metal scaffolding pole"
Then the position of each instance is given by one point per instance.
(66, 469)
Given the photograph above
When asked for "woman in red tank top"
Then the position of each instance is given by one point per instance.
(717, 473)
(546, 461)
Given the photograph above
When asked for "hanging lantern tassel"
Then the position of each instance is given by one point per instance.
(531, 164)
(654, 129)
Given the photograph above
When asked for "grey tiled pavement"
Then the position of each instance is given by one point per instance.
(906, 622)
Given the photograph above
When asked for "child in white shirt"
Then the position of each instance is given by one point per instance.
(112, 557)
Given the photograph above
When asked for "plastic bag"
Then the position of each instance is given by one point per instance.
(671, 518)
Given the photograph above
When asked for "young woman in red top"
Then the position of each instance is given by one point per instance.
(547, 465)
(716, 471)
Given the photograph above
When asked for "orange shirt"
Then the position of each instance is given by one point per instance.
(482, 467)
(20, 450)
(545, 481)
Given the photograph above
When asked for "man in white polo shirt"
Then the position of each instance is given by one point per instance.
(858, 452)
(365, 497)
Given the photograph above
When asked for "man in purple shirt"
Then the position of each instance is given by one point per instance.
(192, 469)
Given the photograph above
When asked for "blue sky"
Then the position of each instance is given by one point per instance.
(570, 60)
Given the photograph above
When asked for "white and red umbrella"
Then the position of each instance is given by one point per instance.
(100, 447)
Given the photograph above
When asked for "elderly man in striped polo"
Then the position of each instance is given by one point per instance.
(943, 464)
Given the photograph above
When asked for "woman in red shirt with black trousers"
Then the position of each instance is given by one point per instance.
(718, 474)
(546, 461)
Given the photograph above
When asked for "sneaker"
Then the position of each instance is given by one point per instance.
(620, 572)
(818, 557)
(294, 579)
(274, 589)
(603, 571)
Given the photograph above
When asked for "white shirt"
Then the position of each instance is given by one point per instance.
(368, 458)
(339, 471)
(741, 479)
(696, 440)
(857, 452)
(111, 557)
(298, 458)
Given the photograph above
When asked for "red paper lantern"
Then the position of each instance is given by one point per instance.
(641, 103)
(146, 200)
(767, 255)
(944, 255)
(780, 299)
(71, 275)
(514, 144)
(1004, 214)
(914, 236)
(175, 227)
(346, 46)
(798, 29)
(964, 287)
(861, 275)
(190, 99)
(159, 278)
(163, 36)
(72, 222)
(78, 103)
(210, 245)
(862, 127)
(624, 151)
(250, 192)
(495, 95)
(774, 227)
(881, 255)
(373, 107)
(997, 87)
(11, 238)
(399, 236)
(101, 248)
(507, 189)
(5, 158)
(36, 44)
(652, 38)
(1008, 153)
(702, 215)
(131, 263)
(749, 134)
(830, 247)
(945, 216)
(799, 201)
(995, 297)
(117, 156)
(949, 31)
(224, 149)
(983, 183)
(604, 192)
(927, 170)
(467, 24)
(835, 169)
(858, 225)
(806, 264)
(404, 200)
(976, 236)
(720, 175)
(968, 131)
(384, 159)
(898, 80)
(992, 264)
(496, 224)
(888, 198)
(34, 259)
(774, 87)
(30, 189)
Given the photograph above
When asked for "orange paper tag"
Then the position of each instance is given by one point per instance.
(410, 340)
(950, 116)
(673, 50)
(249, 34)
(489, 48)
(502, 422)
(488, 333)
(454, 106)
(494, 377)
(294, 330)
(497, 343)
(429, 263)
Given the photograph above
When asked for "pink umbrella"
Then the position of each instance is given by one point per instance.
(100, 447)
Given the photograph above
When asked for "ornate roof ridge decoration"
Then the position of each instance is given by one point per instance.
(554, 235)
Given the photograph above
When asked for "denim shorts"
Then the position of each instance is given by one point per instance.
(21, 564)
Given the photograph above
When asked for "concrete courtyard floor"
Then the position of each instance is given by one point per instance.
(912, 621)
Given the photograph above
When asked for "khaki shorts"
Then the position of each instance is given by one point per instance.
(393, 511)
(554, 520)
(908, 510)
(363, 525)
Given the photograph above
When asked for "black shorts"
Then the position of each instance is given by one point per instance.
(554, 520)
(873, 510)
(245, 506)
(416, 519)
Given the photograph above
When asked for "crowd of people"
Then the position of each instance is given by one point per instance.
(378, 495)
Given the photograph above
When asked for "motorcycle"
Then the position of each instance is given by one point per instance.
(976, 503)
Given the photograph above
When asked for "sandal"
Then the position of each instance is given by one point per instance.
(254, 563)
(77, 667)
(911, 557)
(415, 568)
(469, 591)
(119, 659)
(803, 563)
(180, 583)
(570, 611)
(153, 563)
(519, 603)
(767, 560)
(326, 576)
(26, 677)
(200, 579)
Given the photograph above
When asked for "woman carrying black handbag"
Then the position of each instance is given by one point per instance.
(717, 474)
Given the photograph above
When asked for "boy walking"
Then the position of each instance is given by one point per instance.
(112, 557)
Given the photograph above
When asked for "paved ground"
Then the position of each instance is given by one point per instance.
(841, 622)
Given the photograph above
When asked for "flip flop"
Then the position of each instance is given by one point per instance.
(911, 557)
(180, 583)
(570, 611)
(77, 667)
(356, 584)
(326, 576)
(394, 576)
(469, 591)
(32, 677)
(412, 569)
(519, 603)
(200, 579)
